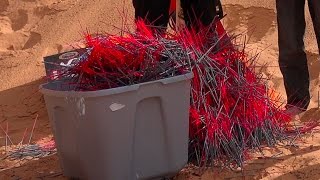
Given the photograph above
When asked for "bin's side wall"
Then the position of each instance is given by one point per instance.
(134, 135)
(64, 126)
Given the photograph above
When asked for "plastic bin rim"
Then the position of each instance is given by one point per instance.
(104, 92)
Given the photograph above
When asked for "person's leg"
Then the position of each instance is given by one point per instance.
(137, 8)
(292, 58)
(314, 8)
(198, 11)
(154, 12)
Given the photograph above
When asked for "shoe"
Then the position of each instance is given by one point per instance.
(293, 110)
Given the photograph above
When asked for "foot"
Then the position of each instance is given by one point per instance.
(294, 110)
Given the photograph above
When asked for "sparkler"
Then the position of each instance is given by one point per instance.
(231, 109)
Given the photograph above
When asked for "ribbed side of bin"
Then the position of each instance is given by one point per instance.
(132, 132)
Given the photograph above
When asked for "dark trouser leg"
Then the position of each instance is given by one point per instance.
(314, 8)
(198, 11)
(155, 12)
(292, 58)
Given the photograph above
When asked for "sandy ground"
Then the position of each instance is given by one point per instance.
(32, 29)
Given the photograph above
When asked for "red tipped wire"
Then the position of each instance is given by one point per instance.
(231, 108)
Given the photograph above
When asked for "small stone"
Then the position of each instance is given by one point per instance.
(29, 158)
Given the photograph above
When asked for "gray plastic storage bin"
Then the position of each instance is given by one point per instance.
(131, 132)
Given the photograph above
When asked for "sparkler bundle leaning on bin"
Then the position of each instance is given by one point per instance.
(230, 107)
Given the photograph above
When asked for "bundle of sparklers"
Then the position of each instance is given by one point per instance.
(115, 61)
(231, 109)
